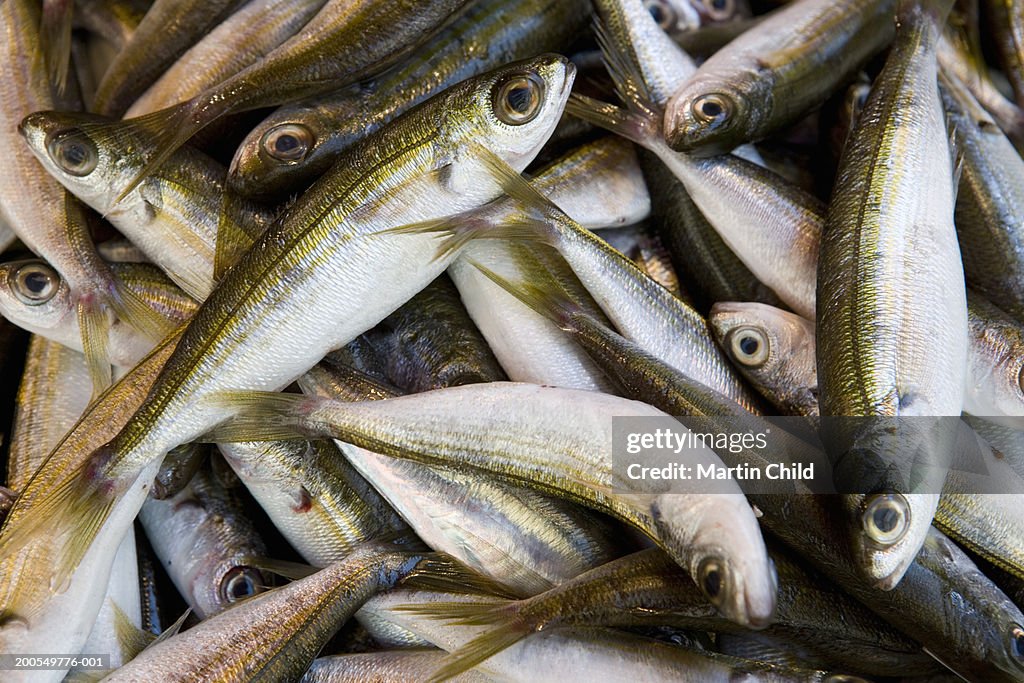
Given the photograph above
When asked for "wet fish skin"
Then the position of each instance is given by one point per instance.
(488, 34)
(648, 588)
(239, 40)
(989, 218)
(345, 42)
(995, 383)
(168, 28)
(581, 652)
(315, 498)
(1006, 22)
(109, 490)
(713, 271)
(431, 342)
(114, 20)
(48, 221)
(33, 618)
(759, 83)
(397, 665)
(523, 539)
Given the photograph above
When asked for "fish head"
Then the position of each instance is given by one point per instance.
(276, 154)
(888, 529)
(676, 16)
(85, 153)
(727, 558)
(761, 339)
(35, 297)
(709, 116)
(511, 111)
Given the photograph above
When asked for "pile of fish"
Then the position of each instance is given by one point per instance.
(327, 315)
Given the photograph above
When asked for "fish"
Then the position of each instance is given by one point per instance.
(397, 665)
(728, 190)
(285, 321)
(617, 284)
(760, 82)
(890, 269)
(113, 20)
(600, 186)
(988, 214)
(1006, 23)
(275, 635)
(430, 342)
(35, 297)
(206, 544)
(589, 652)
(298, 142)
(563, 456)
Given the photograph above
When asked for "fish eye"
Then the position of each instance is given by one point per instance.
(1017, 643)
(517, 98)
(711, 576)
(886, 518)
(749, 346)
(239, 583)
(288, 142)
(720, 9)
(712, 110)
(35, 283)
(74, 152)
(662, 12)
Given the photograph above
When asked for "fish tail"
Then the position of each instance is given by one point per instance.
(509, 629)
(443, 573)
(552, 302)
(263, 416)
(55, 40)
(641, 120)
(67, 518)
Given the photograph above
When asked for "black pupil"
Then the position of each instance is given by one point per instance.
(659, 14)
(286, 143)
(75, 153)
(240, 587)
(719, 4)
(711, 108)
(36, 282)
(749, 345)
(885, 519)
(518, 99)
(713, 582)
